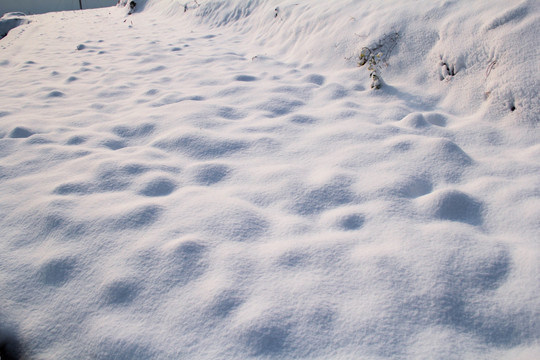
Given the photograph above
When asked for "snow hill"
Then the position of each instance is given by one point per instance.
(223, 180)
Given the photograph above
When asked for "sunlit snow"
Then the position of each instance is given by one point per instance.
(222, 180)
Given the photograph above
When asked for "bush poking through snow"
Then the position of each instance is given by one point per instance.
(376, 55)
(367, 56)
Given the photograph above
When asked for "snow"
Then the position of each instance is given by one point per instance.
(10, 21)
(45, 6)
(220, 181)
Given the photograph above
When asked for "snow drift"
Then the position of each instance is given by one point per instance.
(480, 64)
(219, 180)
(10, 21)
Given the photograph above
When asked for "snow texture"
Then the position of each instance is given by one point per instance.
(45, 6)
(218, 180)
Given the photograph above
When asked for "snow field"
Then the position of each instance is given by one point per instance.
(223, 183)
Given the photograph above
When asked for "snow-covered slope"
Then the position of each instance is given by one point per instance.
(10, 21)
(45, 6)
(218, 180)
(422, 41)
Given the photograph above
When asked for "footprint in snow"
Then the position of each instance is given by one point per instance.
(158, 187)
(245, 78)
(210, 174)
(20, 133)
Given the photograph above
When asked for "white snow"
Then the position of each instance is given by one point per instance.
(44, 6)
(219, 181)
(10, 21)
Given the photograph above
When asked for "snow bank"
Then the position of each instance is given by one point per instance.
(479, 63)
(10, 21)
(220, 181)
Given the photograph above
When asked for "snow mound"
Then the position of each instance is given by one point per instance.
(219, 180)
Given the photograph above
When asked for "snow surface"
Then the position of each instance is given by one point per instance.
(10, 21)
(44, 6)
(220, 181)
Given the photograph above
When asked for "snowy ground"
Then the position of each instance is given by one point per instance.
(223, 183)
(44, 6)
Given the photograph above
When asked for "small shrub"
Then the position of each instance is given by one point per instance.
(376, 55)
(373, 61)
